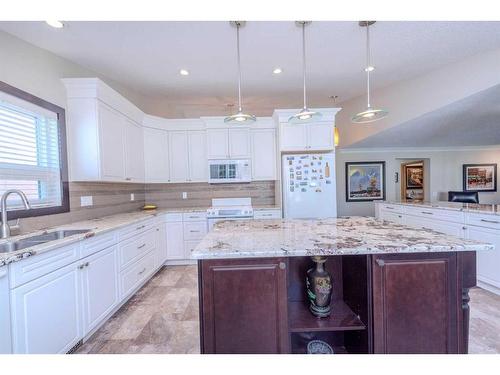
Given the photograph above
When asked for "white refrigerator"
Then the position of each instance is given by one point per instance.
(308, 188)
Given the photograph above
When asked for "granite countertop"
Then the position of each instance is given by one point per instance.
(335, 236)
(491, 209)
(96, 226)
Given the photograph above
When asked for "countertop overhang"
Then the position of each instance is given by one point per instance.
(333, 236)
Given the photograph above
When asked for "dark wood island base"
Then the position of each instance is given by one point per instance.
(391, 303)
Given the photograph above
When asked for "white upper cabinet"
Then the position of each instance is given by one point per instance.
(217, 144)
(198, 165)
(112, 139)
(179, 156)
(105, 141)
(315, 136)
(134, 152)
(232, 143)
(156, 155)
(263, 147)
(239, 143)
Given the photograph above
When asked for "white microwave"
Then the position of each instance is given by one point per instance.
(225, 171)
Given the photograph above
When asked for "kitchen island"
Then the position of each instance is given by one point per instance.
(396, 289)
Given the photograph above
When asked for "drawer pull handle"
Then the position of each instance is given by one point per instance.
(128, 179)
(87, 264)
(140, 227)
(380, 262)
(389, 208)
(140, 247)
(464, 228)
(427, 213)
(490, 221)
(267, 214)
(143, 270)
(81, 266)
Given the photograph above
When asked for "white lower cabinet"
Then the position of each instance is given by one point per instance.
(99, 280)
(488, 262)
(175, 240)
(5, 336)
(161, 245)
(46, 313)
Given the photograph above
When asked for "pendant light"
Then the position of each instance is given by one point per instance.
(370, 114)
(239, 117)
(305, 115)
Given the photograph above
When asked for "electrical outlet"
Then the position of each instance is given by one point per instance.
(86, 201)
(132, 197)
(184, 195)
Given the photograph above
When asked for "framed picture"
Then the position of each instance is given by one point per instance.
(414, 177)
(480, 177)
(365, 181)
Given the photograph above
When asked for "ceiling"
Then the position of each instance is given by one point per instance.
(147, 56)
(473, 121)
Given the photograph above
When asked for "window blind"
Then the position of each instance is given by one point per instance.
(29, 154)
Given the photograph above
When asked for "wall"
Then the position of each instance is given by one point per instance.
(108, 199)
(201, 194)
(445, 172)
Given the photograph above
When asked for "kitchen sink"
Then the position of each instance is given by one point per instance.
(24, 243)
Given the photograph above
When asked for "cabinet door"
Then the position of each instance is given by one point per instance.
(134, 152)
(263, 154)
(393, 217)
(488, 262)
(239, 143)
(156, 155)
(415, 303)
(320, 136)
(111, 143)
(293, 137)
(175, 241)
(198, 162)
(5, 336)
(217, 143)
(46, 313)
(244, 305)
(178, 156)
(99, 287)
(161, 245)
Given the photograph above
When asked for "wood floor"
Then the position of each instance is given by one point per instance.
(163, 318)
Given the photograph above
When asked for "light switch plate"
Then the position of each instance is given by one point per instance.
(86, 201)
(184, 195)
(132, 197)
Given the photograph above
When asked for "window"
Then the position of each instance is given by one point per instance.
(32, 153)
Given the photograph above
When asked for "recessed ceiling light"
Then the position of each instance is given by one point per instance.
(277, 70)
(370, 68)
(184, 72)
(55, 24)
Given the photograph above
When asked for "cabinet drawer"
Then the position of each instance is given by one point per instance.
(136, 247)
(134, 229)
(267, 214)
(194, 216)
(486, 221)
(195, 230)
(134, 275)
(36, 266)
(98, 243)
(436, 214)
(173, 217)
(396, 208)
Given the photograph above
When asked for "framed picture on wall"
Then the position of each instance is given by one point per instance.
(480, 177)
(414, 176)
(365, 181)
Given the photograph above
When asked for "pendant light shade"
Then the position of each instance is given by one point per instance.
(370, 114)
(305, 115)
(239, 117)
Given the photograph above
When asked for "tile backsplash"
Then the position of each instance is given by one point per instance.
(113, 198)
(201, 194)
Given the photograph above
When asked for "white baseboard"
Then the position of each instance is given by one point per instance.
(488, 287)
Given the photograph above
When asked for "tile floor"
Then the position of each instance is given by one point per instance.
(162, 317)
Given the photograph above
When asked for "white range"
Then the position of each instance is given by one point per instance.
(229, 209)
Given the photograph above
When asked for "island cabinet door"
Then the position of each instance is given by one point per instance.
(416, 304)
(243, 306)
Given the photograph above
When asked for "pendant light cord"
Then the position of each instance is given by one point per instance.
(304, 61)
(368, 66)
(239, 65)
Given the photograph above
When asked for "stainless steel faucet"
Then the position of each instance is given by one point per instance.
(5, 229)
